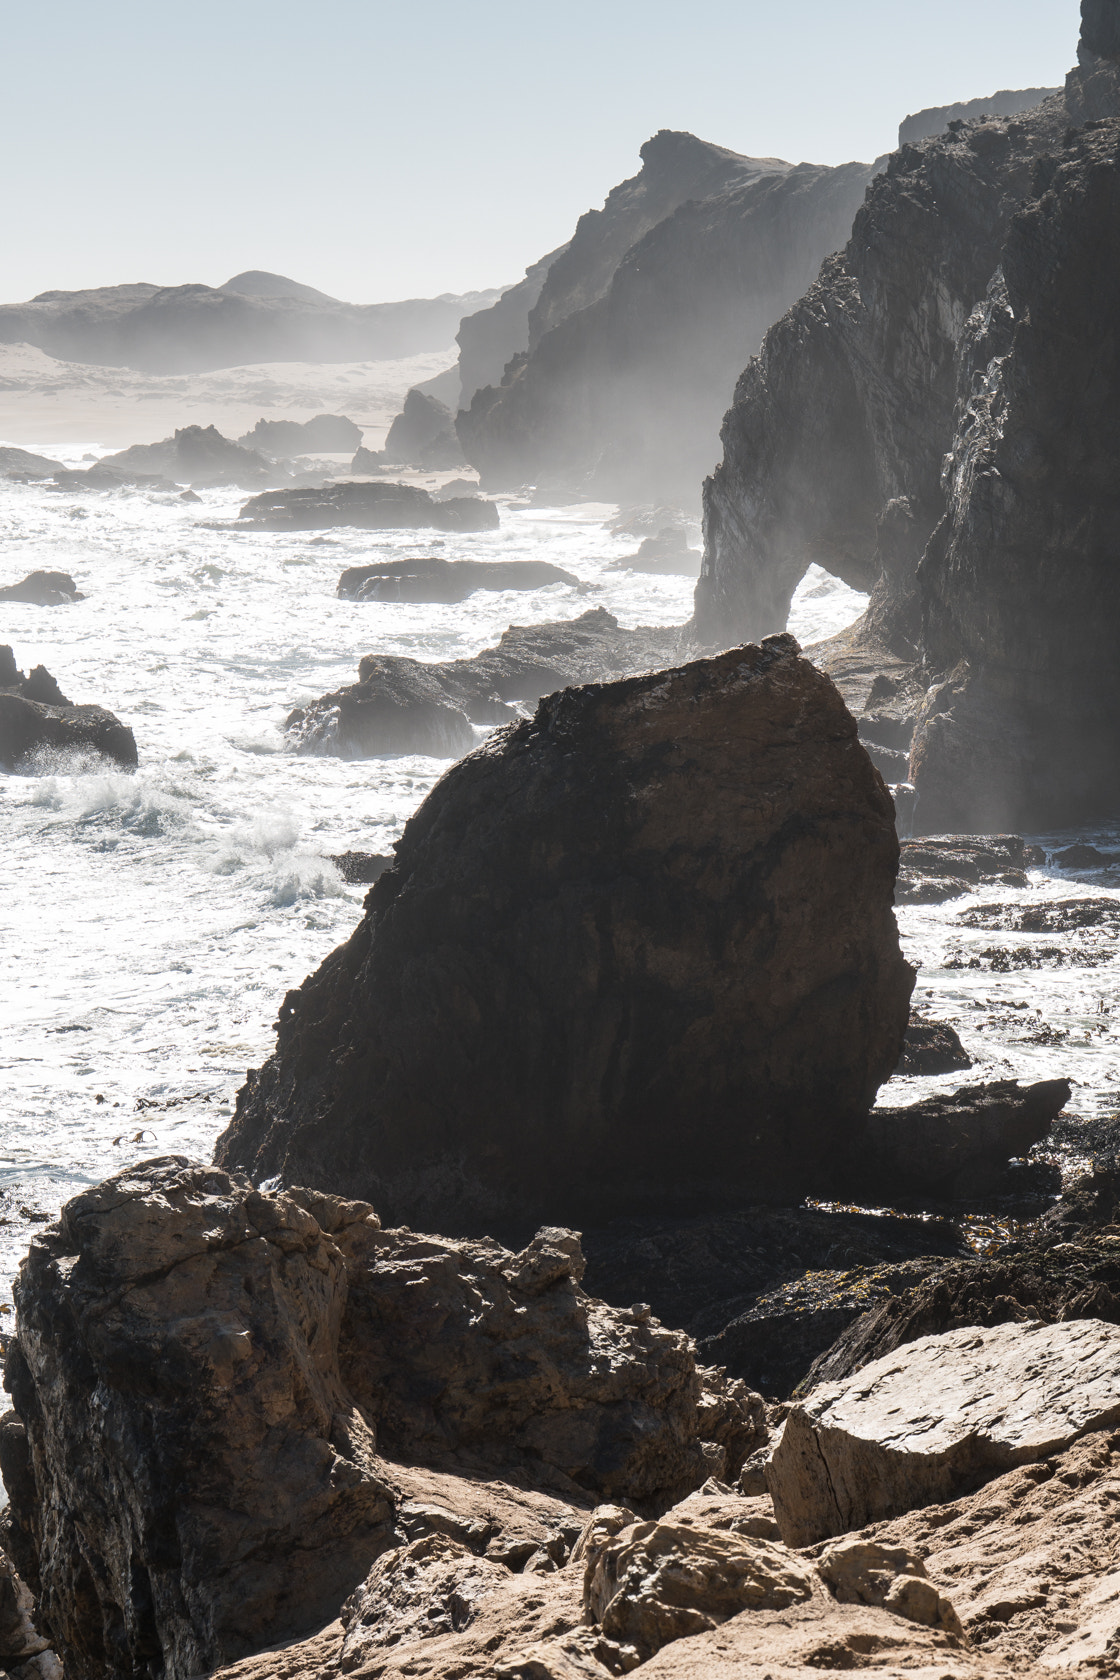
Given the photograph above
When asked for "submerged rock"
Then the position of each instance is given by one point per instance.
(650, 931)
(35, 716)
(43, 589)
(369, 507)
(938, 867)
(959, 1410)
(404, 705)
(431, 578)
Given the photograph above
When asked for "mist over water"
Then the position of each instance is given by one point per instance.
(154, 921)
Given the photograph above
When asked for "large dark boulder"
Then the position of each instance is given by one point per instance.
(423, 434)
(369, 507)
(637, 953)
(36, 717)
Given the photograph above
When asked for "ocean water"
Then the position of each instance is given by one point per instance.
(152, 922)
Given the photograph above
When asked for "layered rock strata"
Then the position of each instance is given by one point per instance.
(965, 323)
(650, 929)
(36, 718)
(957, 1411)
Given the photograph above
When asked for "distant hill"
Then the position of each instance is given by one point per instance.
(255, 317)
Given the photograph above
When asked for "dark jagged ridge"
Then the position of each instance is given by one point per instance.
(970, 315)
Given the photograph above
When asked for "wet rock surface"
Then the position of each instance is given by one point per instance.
(956, 1411)
(43, 589)
(932, 1047)
(367, 507)
(431, 578)
(37, 720)
(403, 705)
(755, 842)
(938, 867)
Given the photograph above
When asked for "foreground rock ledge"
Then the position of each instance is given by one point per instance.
(938, 1418)
(200, 1376)
(649, 933)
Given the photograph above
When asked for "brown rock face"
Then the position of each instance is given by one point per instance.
(951, 1413)
(203, 1484)
(637, 953)
(198, 1373)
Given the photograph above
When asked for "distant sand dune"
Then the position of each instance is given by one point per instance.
(46, 402)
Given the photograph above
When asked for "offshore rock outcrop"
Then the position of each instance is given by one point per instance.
(368, 507)
(195, 456)
(198, 1373)
(432, 578)
(965, 323)
(423, 434)
(43, 589)
(403, 705)
(324, 434)
(37, 718)
(650, 931)
(635, 339)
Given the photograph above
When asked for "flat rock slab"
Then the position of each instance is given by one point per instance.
(937, 1419)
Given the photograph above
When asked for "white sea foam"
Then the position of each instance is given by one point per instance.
(152, 922)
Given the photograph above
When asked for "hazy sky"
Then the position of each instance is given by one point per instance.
(381, 151)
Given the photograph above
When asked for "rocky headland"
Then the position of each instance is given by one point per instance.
(643, 317)
(37, 721)
(934, 422)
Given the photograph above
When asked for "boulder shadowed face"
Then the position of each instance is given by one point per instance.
(638, 953)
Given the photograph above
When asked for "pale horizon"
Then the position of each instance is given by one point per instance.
(378, 156)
